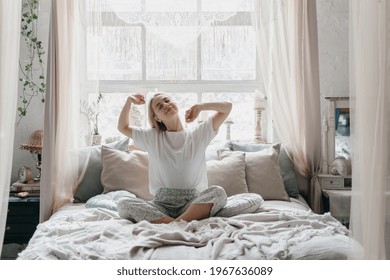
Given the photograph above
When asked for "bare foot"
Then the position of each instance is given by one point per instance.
(196, 212)
(163, 220)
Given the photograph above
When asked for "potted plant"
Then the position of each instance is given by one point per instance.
(91, 111)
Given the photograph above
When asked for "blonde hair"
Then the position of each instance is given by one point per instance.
(151, 114)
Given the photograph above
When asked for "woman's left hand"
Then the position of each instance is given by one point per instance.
(192, 113)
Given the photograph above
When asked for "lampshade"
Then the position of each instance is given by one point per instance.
(34, 142)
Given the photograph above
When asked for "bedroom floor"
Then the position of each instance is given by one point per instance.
(10, 251)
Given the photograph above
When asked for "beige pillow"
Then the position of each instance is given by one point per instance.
(262, 172)
(229, 173)
(126, 170)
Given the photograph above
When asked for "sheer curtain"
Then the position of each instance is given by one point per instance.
(10, 12)
(288, 51)
(370, 127)
(64, 125)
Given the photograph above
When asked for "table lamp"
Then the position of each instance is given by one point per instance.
(34, 145)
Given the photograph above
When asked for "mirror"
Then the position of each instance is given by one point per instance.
(336, 132)
(342, 133)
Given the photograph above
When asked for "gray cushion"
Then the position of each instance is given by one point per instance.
(91, 184)
(286, 165)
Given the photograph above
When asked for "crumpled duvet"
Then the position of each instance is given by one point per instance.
(98, 233)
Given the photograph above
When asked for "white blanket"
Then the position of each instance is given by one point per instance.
(269, 234)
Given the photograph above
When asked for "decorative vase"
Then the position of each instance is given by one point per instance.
(341, 166)
(96, 140)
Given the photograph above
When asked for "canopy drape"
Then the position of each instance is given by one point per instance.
(288, 53)
(10, 14)
(370, 126)
(64, 124)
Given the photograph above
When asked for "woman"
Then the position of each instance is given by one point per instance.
(177, 166)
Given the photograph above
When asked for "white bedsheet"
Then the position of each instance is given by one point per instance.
(280, 230)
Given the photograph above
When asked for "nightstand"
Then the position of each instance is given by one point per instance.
(22, 219)
(336, 196)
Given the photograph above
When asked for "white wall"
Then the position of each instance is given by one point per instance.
(35, 113)
(333, 56)
(333, 30)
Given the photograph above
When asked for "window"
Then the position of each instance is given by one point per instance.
(148, 47)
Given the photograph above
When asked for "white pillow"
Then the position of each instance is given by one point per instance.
(126, 170)
(107, 200)
(262, 172)
(229, 173)
(243, 203)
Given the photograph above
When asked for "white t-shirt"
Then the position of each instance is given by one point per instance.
(176, 159)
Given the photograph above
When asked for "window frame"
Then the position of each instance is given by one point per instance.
(198, 85)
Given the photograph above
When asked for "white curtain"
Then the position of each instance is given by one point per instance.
(288, 53)
(66, 88)
(370, 127)
(10, 12)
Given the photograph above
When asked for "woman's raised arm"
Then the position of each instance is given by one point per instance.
(124, 117)
(222, 112)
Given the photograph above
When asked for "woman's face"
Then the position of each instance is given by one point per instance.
(164, 107)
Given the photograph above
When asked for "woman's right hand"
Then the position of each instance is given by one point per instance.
(137, 99)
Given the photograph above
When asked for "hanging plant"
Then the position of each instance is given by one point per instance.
(32, 69)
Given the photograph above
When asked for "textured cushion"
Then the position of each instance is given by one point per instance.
(213, 148)
(229, 173)
(126, 170)
(91, 185)
(262, 173)
(286, 165)
(243, 203)
(107, 200)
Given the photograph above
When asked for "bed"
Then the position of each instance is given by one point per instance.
(266, 217)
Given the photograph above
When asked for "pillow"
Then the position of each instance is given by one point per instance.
(91, 185)
(262, 173)
(285, 163)
(212, 149)
(248, 147)
(107, 200)
(229, 173)
(243, 203)
(126, 170)
(288, 173)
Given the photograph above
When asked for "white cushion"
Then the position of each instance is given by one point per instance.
(243, 203)
(107, 200)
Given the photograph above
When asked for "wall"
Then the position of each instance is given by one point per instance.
(35, 113)
(333, 30)
(333, 58)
